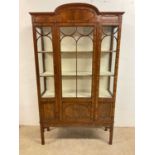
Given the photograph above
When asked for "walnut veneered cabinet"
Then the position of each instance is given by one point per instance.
(76, 51)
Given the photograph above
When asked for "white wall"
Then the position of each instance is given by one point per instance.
(124, 115)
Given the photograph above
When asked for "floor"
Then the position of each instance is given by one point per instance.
(76, 141)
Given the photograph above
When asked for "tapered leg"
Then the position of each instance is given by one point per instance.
(48, 128)
(106, 128)
(111, 135)
(42, 135)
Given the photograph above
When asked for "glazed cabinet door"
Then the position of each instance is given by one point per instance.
(108, 52)
(76, 50)
(44, 56)
(107, 72)
(45, 61)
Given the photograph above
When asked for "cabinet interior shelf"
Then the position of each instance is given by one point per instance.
(49, 94)
(69, 73)
(106, 51)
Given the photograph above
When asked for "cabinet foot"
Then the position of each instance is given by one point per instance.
(111, 135)
(42, 135)
(106, 128)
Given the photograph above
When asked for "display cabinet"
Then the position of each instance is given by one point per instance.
(76, 50)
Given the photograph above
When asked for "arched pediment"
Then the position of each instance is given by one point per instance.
(76, 12)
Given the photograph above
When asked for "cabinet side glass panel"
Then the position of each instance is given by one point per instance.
(45, 59)
(107, 60)
(76, 61)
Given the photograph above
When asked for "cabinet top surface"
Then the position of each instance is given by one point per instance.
(84, 7)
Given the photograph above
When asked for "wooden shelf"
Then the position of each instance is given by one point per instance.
(106, 73)
(103, 94)
(45, 51)
(71, 73)
(80, 94)
(46, 74)
(77, 51)
(107, 51)
(48, 94)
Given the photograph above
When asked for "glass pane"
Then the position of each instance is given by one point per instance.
(68, 86)
(106, 86)
(109, 38)
(44, 39)
(84, 44)
(107, 61)
(76, 61)
(85, 31)
(84, 63)
(45, 59)
(68, 44)
(68, 63)
(46, 87)
(84, 86)
(45, 63)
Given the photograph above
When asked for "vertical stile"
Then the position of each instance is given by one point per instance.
(93, 57)
(110, 64)
(57, 66)
(43, 55)
(37, 73)
(96, 65)
(116, 63)
(111, 52)
(117, 56)
(76, 66)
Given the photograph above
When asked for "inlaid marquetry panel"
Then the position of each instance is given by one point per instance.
(48, 111)
(76, 13)
(76, 111)
(105, 111)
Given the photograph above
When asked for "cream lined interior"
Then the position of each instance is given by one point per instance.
(84, 53)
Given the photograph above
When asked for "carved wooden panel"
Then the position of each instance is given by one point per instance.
(76, 13)
(44, 19)
(48, 111)
(76, 111)
(105, 111)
